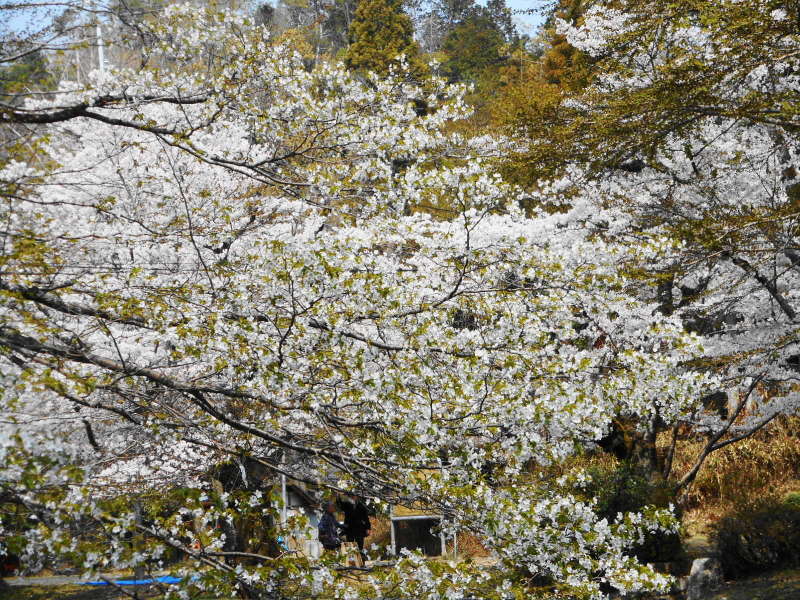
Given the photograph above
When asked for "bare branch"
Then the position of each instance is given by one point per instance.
(711, 445)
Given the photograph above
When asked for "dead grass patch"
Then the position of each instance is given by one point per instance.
(765, 465)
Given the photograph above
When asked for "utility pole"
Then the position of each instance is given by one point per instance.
(77, 56)
(101, 60)
(98, 32)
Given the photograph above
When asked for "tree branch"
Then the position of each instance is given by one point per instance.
(711, 446)
(766, 283)
(39, 296)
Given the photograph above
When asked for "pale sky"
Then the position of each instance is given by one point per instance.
(529, 22)
(15, 21)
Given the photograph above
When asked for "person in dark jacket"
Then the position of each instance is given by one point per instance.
(328, 528)
(356, 521)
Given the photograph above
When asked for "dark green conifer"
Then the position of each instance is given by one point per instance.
(379, 34)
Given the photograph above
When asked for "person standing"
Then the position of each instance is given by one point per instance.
(328, 528)
(356, 521)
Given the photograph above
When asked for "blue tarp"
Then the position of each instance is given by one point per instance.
(163, 579)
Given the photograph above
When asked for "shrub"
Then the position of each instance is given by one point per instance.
(758, 538)
(793, 500)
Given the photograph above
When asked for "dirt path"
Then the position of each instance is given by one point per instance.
(780, 585)
(62, 592)
(46, 581)
(55, 580)
(68, 587)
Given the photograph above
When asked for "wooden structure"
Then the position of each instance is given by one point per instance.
(399, 514)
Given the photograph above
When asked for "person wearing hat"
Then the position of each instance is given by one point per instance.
(329, 527)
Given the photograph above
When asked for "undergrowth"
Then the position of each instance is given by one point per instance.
(741, 474)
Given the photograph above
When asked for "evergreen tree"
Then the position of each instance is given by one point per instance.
(500, 15)
(453, 12)
(379, 34)
(560, 56)
(264, 14)
(471, 48)
(29, 73)
(441, 19)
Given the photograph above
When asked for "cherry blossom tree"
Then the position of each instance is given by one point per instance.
(225, 256)
(686, 130)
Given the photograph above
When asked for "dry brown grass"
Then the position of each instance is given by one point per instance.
(767, 464)
(470, 545)
(380, 533)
